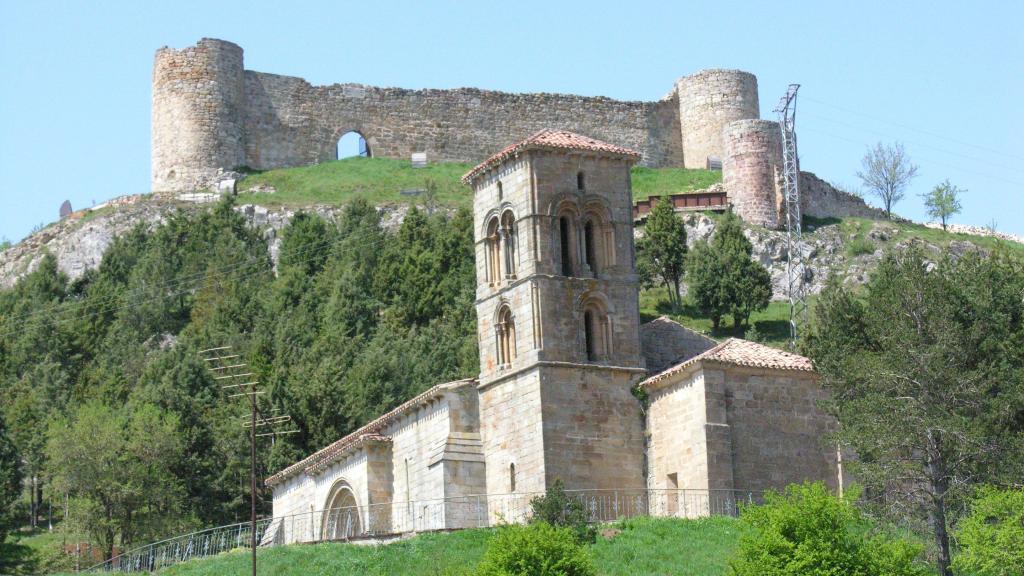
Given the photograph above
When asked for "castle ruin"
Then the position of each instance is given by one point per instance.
(211, 116)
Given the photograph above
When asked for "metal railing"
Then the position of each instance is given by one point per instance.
(393, 519)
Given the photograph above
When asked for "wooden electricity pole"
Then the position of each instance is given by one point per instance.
(228, 367)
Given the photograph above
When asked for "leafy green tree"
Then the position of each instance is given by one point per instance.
(724, 279)
(991, 537)
(661, 253)
(886, 172)
(538, 549)
(943, 201)
(10, 481)
(809, 532)
(115, 466)
(926, 371)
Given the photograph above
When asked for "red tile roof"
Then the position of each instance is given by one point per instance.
(739, 352)
(548, 139)
(370, 432)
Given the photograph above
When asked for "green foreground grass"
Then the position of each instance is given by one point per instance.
(660, 546)
(383, 180)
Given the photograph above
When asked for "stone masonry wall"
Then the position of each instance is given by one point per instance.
(210, 116)
(752, 171)
(777, 429)
(197, 116)
(290, 122)
(708, 101)
(820, 199)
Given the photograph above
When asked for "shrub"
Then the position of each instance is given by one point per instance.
(558, 508)
(537, 549)
(992, 536)
(808, 531)
(860, 247)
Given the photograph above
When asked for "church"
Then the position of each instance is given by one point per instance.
(564, 361)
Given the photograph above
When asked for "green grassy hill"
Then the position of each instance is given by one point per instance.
(639, 546)
(383, 180)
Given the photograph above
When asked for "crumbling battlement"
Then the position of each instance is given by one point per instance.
(211, 116)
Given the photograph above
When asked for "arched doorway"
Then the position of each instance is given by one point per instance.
(352, 144)
(341, 514)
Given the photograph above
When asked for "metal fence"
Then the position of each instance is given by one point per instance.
(394, 519)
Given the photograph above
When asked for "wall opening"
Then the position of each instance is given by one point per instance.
(563, 230)
(580, 182)
(352, 144)
(590, 252)
(342, 519)
(512, 477)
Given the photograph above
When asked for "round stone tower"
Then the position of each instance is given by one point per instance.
(752, 170)
(198, 102)
(708, 101)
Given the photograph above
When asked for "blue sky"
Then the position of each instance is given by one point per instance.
(945, 78)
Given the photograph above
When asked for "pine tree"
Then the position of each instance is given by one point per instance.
(661, 253)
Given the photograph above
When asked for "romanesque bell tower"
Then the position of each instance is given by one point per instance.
(558, 315)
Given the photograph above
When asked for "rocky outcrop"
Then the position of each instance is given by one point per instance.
(79, 242)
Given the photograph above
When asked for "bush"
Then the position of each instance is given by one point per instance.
(537, 549)
(992, 536)
(808, 531)
(860, 247)
(558, 508)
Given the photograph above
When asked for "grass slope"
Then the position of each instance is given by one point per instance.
(381, 180)
(644, 546)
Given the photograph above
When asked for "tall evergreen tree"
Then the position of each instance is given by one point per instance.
(661, 253)
(926, 371)
(723, 277)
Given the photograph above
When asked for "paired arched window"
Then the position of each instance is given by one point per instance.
(508, 241)
(596, 332)
(505, 335)
(500, 247)
(586, 245)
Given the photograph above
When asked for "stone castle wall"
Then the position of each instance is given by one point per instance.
(198, 114)
(752, 170)
(709, 101)
(210, 115)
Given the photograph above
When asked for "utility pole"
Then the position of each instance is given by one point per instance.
(796, 269)
(229, 368)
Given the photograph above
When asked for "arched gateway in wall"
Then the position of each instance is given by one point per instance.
(341, 519)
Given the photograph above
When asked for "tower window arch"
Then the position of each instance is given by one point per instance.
(507, 236)
(580, 181)
(590, 247)
(505, 336)
(565, 241)
(596, 332)
(492, 247)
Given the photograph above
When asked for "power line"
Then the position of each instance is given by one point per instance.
(233, 372)
(912, 128)
(918, 159)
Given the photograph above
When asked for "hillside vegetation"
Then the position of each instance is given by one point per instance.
(641, 546)
(387, 180)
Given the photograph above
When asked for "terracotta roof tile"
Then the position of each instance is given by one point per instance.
(370, 432)
(548, 139)
(739, 352)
